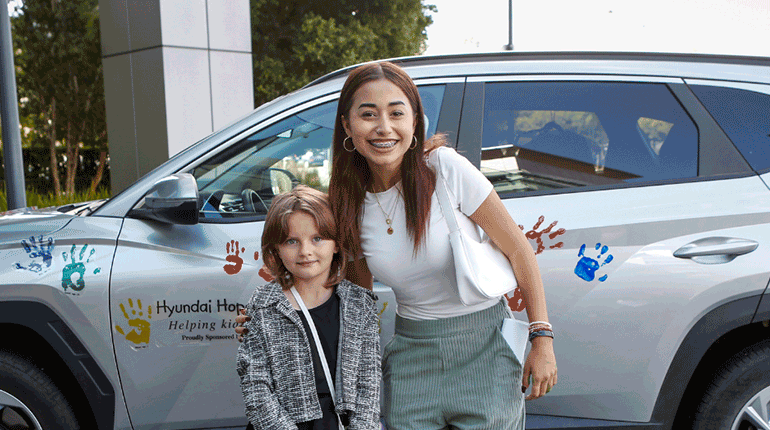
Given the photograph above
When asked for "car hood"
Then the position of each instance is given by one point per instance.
(28, 222)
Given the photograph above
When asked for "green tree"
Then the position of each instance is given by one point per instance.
(295, 41)
(59, 75)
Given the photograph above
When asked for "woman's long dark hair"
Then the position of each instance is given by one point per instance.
(351, 176)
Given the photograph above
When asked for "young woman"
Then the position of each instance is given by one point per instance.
(282, 377)
(447, 364)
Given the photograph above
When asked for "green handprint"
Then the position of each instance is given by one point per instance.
(141, 331)
(76, 267)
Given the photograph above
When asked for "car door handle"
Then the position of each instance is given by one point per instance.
(715, 250)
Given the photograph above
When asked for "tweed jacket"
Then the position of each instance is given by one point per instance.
(275, 365)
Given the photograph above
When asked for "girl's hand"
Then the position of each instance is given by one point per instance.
(540, 368)
(241, 319)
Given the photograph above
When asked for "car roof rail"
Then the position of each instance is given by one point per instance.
(427, 60)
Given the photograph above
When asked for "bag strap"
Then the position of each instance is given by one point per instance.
(442, 193)
(320, 349)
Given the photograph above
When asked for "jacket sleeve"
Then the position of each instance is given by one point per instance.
(262, 407)
(367, 413)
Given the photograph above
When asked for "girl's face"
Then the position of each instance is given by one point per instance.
(381, 124)
(306, 254)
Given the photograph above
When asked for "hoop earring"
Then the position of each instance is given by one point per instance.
(414, 145)
(345, 147)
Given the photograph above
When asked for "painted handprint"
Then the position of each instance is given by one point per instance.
(37, 248)
(379, 317)
(264, 273)
(537, 235)
(516, 300)
(141, 327)
(233, 257)
(586, 266)
(76, 267)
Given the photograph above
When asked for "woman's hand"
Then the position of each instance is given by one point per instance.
(241, 319)
(540, 367)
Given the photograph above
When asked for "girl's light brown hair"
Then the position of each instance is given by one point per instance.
(350, 172)
(314, 203)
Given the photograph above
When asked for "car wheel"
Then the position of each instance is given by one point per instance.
(738, 397)
(29, 399)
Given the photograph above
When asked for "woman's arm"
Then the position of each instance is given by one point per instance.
(506, 234)
(358, 273)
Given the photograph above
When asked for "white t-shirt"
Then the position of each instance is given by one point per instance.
(424, 283)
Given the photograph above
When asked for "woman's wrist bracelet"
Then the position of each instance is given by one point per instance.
(540, 325)
(539, 333)
(545, 323)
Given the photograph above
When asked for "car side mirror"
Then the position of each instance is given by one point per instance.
(172, 200)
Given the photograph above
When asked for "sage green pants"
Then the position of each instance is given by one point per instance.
(452, 373)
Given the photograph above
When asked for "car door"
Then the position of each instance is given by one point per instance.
(176, 289)
(617, 181)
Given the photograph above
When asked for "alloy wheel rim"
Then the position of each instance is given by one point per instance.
(755, 414)
(15, 414)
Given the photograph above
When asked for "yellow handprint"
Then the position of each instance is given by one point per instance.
(379, 315)
(141, 331)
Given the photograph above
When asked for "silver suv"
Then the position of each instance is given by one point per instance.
(641, 181)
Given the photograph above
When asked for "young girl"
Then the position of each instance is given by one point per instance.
(282, 378)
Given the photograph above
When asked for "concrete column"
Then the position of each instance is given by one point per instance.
(174, 71)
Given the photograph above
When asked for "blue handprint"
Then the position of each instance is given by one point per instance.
(37, 248)
(586, 267)
(76, 267)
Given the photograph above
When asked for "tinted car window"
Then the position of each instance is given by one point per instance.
(548, 135)
(242, 180)
(743, 115)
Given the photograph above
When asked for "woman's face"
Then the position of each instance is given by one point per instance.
(381, 124)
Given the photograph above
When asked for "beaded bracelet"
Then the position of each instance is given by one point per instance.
(535, 328)
(543, 323)
(546, 333)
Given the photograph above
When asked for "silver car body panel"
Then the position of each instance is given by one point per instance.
(642, 227)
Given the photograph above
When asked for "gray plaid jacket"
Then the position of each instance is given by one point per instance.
(276, 369)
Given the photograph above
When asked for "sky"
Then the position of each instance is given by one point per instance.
(740, 27)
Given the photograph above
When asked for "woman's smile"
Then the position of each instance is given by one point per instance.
(383, 144)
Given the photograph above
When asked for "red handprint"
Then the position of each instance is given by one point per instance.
(233, 256)
(263, 272)
(537, 235)
(516, 301)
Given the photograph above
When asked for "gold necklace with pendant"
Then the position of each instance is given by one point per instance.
(388, 218)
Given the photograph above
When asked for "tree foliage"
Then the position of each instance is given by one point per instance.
(59, 68)
(295, 41)
(60, 81)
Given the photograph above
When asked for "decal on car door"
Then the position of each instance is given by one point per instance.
(40, 251)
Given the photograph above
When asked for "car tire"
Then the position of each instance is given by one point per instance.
(29, 399)
(738, 396)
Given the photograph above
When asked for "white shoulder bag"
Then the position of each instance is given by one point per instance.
(483, 272)
(320, 349)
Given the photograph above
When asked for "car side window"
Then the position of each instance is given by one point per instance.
(743, 115)
(540, 136)
(241, 181)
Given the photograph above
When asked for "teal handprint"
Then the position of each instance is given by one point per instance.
(73, 275)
